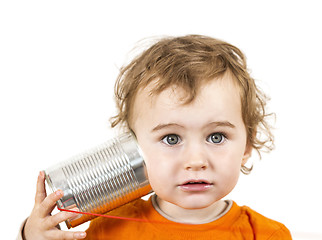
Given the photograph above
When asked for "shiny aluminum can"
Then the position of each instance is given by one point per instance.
(100, 180)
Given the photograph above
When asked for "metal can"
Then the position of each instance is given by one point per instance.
(100, 180)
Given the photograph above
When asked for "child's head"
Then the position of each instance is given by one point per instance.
(195, 112)
(190, 62)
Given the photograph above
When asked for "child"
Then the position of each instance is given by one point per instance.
(197, 115)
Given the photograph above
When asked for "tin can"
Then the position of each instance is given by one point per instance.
(100, 180)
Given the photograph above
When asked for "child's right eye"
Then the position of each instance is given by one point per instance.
(171, 139)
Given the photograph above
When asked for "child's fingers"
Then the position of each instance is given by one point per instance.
(49, 203)
(41, 190)
(54, 220)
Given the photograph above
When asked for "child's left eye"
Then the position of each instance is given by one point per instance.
(216, 138)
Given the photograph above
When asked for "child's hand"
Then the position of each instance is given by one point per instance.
(40, 224)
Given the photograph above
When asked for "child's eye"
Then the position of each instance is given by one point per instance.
(216, 138)
(171, 139)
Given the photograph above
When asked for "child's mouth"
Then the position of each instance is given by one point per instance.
(195, 186)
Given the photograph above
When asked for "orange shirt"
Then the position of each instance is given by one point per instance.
(237, 223)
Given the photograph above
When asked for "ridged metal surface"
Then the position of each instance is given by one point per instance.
(101, 180)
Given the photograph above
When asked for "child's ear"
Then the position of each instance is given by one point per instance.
(248, 148)
(247, 153)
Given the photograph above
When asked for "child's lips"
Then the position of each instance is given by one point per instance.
(195, 185)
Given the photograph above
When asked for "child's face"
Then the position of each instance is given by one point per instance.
(193, 152)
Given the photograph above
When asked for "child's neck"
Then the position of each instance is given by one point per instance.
(191, 216)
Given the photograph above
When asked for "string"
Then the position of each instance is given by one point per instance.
(115, 217)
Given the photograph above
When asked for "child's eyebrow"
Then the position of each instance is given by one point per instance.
(216, 124)
(223, 124)
(161, 126)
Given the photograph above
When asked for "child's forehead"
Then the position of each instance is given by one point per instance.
(216, 101)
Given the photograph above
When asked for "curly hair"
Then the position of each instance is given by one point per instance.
(188, 62)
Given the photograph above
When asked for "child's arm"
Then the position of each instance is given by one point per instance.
(40, 224)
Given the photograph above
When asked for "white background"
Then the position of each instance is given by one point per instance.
(59, 60)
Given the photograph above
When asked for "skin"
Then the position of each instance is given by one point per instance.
(204, 141)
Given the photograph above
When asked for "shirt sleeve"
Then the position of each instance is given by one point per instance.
(282, 233)
(20, 232)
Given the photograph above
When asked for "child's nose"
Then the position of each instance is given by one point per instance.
(196, 159)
